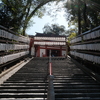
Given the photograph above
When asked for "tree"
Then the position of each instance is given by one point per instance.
(14, 11)
(4, 15)
(72, 30)
(71, 36)
(85, 12)
(21, 12)
(54, 29)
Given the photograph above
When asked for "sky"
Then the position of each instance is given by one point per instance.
(46, 19)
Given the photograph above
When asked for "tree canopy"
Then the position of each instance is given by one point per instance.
(85, 12)
(18, 13)
(54, 29)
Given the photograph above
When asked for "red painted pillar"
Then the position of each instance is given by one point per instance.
(60, 50)
(46, 51)
(38, 51)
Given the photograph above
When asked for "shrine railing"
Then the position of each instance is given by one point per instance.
(12, 46)
(87, 47)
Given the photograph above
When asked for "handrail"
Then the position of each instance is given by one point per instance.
(50, 64)
(51, 93)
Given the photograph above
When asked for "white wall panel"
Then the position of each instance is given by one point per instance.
(63, 53)
(42, 51)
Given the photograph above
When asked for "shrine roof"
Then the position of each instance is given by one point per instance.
(48, 35)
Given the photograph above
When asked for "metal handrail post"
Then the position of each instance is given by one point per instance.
(51, 93)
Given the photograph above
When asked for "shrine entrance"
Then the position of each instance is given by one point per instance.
(54, 52)
(44, 43)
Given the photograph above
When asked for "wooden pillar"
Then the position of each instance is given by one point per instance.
(60, 50)
(46, 51)
(38, 51)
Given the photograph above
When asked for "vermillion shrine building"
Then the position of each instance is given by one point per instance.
(41, 44)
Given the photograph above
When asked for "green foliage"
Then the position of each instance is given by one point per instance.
(54, 29)
(18, 13)
(15, 10)
(73, 30)
(89, 11)
(71, 36)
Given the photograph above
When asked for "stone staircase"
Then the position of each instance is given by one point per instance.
(30, 82)
(70, 83)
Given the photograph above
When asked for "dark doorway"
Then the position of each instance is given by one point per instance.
(54, 53)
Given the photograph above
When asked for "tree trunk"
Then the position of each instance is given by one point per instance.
(85, 17)
(79, 18)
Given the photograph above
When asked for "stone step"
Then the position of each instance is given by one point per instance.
(78, 98)
(46, 83)
(34, 98)
(55, 87)
(23, 95)
(55, 80)
(23, 87)
(45, 90)
(72, 95)
(78, 90)
(55, 77)
(23, 90)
